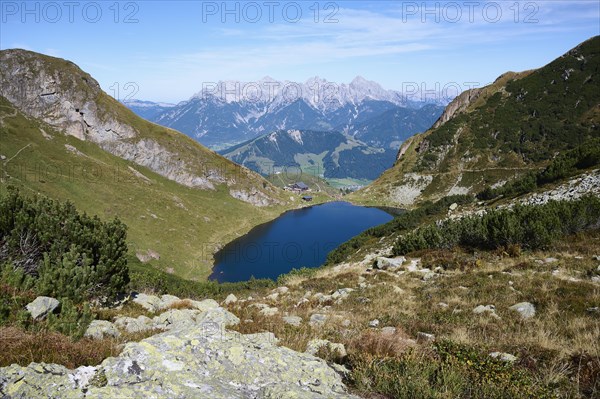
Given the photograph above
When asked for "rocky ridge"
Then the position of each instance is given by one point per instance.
(65, 97)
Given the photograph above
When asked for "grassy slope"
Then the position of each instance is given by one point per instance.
(517, 124)
(198, 159)
(188, 224)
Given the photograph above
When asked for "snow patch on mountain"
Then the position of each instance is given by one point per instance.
(323, 95)
(296, 135)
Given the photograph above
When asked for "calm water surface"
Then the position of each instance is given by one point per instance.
(298, 238)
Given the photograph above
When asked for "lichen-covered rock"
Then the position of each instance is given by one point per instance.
(166, 301)
(42, 306)
(180, 318)
(190, 361)
(230, 299)
(151, 303)
(389, 263)
(341, 294)
(205, 304)
(134, 325)
(99, 329)
(176, 318)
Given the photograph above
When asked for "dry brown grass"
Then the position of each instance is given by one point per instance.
(130, 309)
(381, 345)
(22, 347)
(182, 304)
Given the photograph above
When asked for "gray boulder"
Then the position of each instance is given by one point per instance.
(293, 320)
(134, 325)
(204, 305)
(384, 263)
(374, 323)
(341, 294)
(151, 303)
(188, 362)
(99, 329)
(176, 318)
(42, 306)
(230, 299)
(505, 357)
(317, 319)
(525, 309)
(167, 301)
(423, 336)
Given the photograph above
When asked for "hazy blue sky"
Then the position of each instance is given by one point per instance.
(170, 48)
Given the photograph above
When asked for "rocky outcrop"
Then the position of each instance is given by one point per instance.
(197, 358)
(458, 105)
(99, 329)
(252, 196)
(156, 157)
(586, 184)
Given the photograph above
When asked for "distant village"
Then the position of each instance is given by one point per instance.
(299, 188)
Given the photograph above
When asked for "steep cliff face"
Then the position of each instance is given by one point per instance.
(57, 92)
(491, 135)
(458, 105)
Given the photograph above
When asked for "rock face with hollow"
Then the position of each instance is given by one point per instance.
(191, 360)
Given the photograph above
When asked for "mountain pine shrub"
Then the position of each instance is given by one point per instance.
(47, 246)
(528, 226)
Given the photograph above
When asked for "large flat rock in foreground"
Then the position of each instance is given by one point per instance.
(203, 360)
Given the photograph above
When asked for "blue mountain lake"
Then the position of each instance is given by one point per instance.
(298, 238)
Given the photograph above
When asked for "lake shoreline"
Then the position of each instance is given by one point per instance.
(311, 235)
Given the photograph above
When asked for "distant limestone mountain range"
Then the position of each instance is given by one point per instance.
(226, 113)
(348, 130)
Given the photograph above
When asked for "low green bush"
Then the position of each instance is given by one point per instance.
(529, 226)
(565, 165)
(49, 247)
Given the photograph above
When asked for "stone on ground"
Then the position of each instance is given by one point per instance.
(187, 362)
(317, 319)
(525, 309)
(99, 329)
(230, 299)
(42, 306)
(293, 320)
